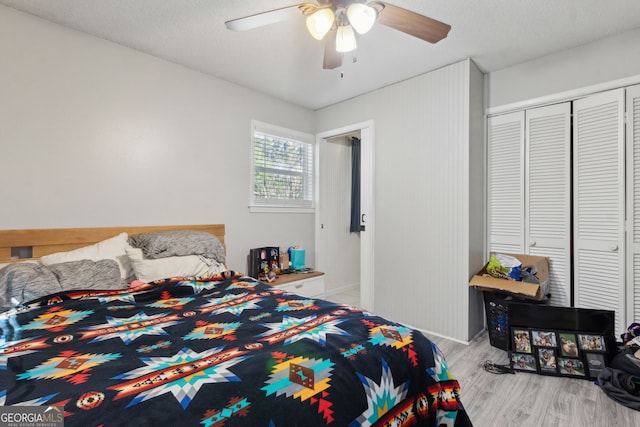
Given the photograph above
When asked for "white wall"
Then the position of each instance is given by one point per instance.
(613, 58)
(423, 250)
(94, 134)
(477, 190)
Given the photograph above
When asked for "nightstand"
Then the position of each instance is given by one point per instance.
(309, 285)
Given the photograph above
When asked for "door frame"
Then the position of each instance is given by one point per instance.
(632, 93)
(367, 253)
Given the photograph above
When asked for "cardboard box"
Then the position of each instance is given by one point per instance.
(483, 281)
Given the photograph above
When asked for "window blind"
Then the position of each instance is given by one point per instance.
(282, 169)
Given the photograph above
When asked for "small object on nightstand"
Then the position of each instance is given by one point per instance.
(271, 276)
(284, 260)
(297, 259)
(262, 260)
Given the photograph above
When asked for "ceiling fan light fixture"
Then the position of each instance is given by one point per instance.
(361, 17)
(345, 39)
(320, 22)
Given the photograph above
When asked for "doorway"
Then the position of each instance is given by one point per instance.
(346, 258)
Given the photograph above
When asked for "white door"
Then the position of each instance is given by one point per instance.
(633, 205)
(324, 247)
(548, 194)
(598, 177)
(505, 184)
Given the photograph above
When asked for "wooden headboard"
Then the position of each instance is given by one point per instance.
(51, 240)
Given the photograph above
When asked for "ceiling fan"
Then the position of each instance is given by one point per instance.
(336, 20)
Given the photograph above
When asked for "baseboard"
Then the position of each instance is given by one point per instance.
(342, 289)
(439, 335)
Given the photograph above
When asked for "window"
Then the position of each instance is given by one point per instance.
(282, 169)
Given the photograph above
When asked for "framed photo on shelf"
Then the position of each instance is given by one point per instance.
(574, 354)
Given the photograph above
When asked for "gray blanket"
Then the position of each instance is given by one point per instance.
(165, 244)
(23, 282)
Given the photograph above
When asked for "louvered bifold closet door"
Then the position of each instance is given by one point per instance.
(598, 174)
(548, 194)
(633, 204)
(506, 183)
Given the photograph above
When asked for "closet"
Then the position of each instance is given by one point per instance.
(556, 188)
(529, 189)
(598, 172)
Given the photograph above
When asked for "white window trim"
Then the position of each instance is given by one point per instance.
(257, 126)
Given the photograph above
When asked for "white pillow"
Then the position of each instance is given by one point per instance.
(149, 270)
(112, 248)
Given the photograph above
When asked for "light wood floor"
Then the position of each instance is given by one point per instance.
(521, 399)
(527, 400)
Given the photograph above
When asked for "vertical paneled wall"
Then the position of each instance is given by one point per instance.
(421, 197)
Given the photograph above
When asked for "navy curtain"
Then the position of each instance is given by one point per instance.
(355, 185)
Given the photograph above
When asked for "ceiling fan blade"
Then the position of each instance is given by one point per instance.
(413, 23)
(332, 58)
(265, 18)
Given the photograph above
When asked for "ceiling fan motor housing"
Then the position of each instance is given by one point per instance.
(339, 19)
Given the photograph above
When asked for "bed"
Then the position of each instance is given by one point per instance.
(214, 349)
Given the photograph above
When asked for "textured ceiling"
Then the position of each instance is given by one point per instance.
(284, 61)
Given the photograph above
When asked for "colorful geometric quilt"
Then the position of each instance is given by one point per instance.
(226, 351)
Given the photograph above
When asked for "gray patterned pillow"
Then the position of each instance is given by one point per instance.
(163, 244)
(87, 274)
(23, 282)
